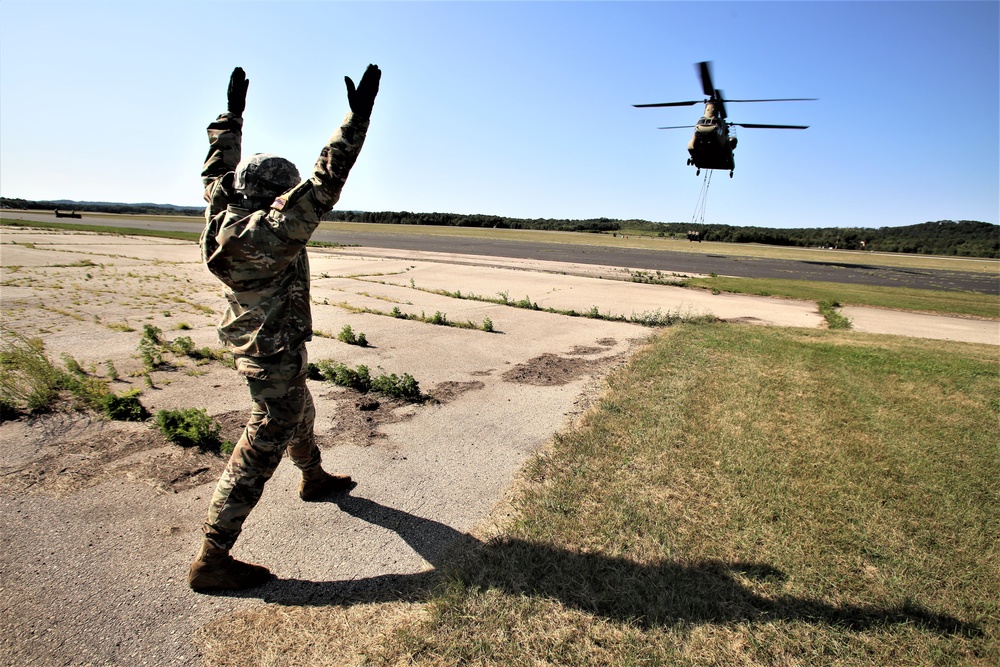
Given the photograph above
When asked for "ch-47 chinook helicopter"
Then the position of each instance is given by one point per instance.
(711, 147)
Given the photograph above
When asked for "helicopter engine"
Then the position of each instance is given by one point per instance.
(732, 142)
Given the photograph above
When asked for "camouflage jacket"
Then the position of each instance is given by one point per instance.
(260, 256)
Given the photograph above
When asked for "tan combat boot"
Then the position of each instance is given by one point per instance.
(318, 484)
(215, 570)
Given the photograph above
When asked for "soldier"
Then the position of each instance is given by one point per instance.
(258, 220)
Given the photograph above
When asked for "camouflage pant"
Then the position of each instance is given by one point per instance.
(282, 418)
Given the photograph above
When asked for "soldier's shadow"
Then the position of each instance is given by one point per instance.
(660, 593)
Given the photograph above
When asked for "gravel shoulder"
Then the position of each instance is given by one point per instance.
(100, 519)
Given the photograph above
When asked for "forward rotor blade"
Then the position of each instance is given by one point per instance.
(720, 107)
(676, 127)
(671, 104)
(705, 73)
(773, 127)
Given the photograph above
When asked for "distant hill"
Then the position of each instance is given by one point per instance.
(961, 238)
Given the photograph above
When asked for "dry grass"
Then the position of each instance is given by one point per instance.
(739, 496)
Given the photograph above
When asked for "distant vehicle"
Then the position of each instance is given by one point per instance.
(712, 147)
(74, 214)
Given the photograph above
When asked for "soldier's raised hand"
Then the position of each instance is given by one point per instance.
(362, 98)
(238, 84)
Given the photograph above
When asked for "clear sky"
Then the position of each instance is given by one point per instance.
(521, 109)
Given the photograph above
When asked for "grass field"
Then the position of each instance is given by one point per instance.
(738, 496)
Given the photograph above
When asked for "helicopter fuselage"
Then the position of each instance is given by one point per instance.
(711, 147)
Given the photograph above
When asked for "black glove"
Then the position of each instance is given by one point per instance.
(363, 98)
(238, 84)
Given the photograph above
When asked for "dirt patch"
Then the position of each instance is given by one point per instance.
(548, 370)
(357, 419)
(61, 454)
(446, 392)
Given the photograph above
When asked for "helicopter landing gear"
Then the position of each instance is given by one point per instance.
(730, 173)
(697, 172)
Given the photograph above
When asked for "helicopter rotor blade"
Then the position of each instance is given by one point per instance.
(677, 127)
(720, 107)
(670, 104)
(773, 127)
(705, 73)
(783, 99)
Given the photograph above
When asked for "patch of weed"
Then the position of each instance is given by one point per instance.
(834, 320)
(125, 407)
(360, 379)
(348, 336)
(190, 427)
(29, 381)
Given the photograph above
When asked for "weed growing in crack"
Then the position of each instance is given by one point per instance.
(828, 308)
(192, 427)
(360, 379)
(30, 381)
(348, 336)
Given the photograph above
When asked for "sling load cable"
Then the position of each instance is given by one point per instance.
(699, 209)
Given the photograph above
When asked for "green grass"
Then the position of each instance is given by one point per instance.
(759, 495)
(739, 496)
(899, 298)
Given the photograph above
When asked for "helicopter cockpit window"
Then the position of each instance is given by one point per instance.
(706, 121)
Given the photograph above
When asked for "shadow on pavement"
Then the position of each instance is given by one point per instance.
(617, 589)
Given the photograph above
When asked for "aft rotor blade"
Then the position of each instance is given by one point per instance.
(773, 127)
(783, 99)
(705, 73)
(671, 104)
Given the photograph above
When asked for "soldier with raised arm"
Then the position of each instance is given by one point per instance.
(259, 217)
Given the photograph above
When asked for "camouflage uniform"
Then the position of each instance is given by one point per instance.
(260, 257)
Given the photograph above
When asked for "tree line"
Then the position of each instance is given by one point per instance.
(100, 207)
(962, 238)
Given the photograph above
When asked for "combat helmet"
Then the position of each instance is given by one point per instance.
(263, 176)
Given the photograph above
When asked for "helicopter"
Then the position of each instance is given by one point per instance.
(712, 146)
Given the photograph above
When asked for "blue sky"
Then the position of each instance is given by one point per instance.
(520, 109)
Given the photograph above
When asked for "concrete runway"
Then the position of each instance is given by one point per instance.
(824, 269)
